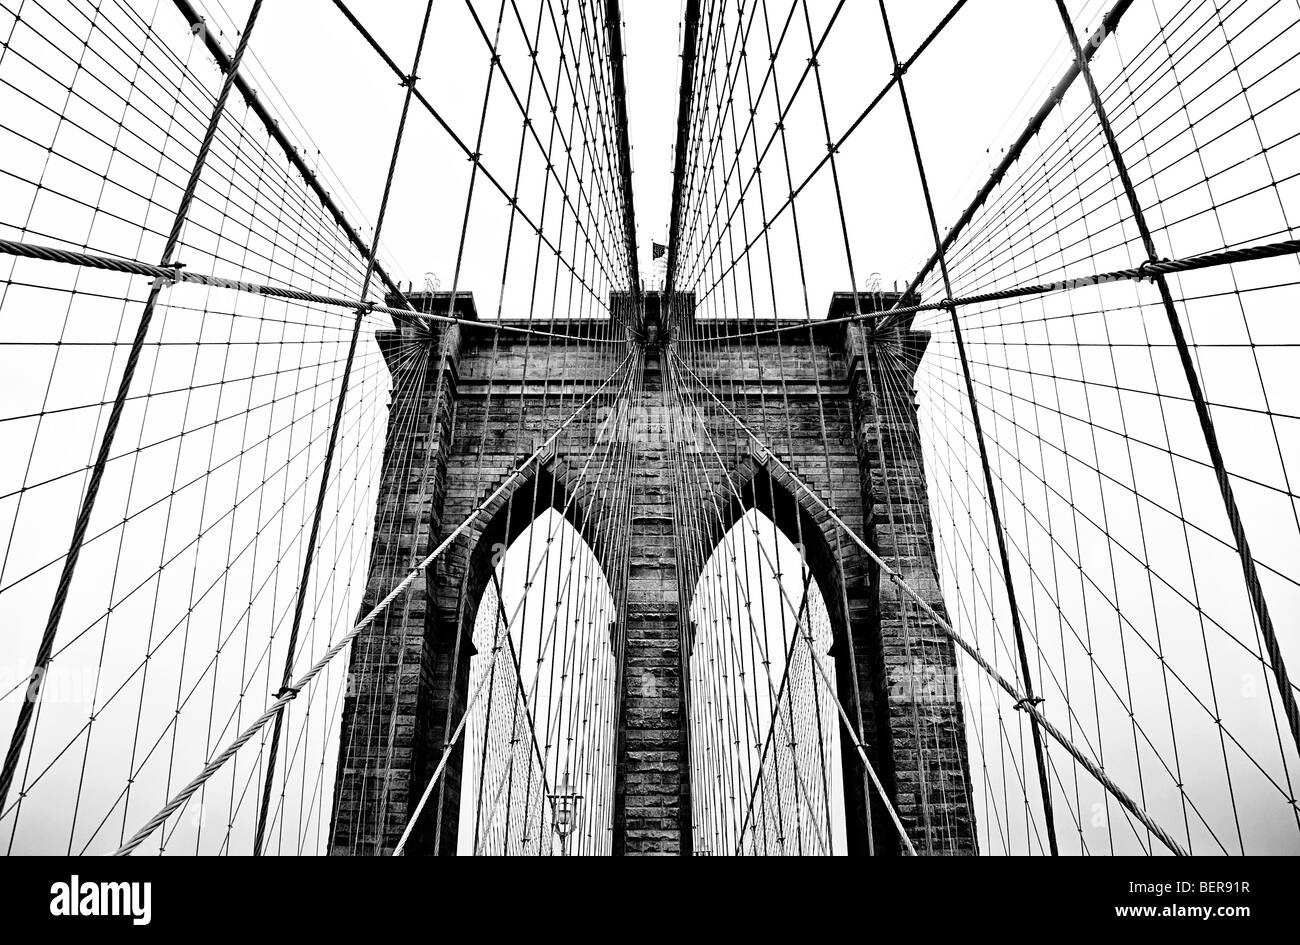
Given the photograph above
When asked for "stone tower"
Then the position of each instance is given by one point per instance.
(817, 392)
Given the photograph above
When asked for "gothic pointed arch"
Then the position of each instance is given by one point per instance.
(461, 581)
(846, 582)
(549, 484)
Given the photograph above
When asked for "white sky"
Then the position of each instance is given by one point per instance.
(960, 116)
(970, 93)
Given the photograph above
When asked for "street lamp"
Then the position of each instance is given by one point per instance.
(564, 812)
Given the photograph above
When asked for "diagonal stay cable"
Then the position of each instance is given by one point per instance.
(736, 495)
(857, 745)
(477, 159)
(982, 442)
(1250, 575)
(289, 693)
(788, 202)
(82, 524)
(454, 735)
(942, 623)
(309, 551)
(274, 129)
(1108, 26)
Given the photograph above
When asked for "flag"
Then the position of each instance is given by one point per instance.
(657, 250)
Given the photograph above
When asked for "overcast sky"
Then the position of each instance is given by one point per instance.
(1049, 382)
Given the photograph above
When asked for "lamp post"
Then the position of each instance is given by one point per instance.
(564, 812)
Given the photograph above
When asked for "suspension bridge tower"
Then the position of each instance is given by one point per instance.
(819, 424)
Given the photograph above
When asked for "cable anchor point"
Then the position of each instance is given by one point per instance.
(170, 278)
(1148, 270)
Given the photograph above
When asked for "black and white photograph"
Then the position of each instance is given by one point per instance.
(706, 428)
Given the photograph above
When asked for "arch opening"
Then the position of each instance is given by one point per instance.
(764, 731)
(540, 736)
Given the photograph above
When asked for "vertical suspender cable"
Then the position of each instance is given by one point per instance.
(692, 24)
(46, 648)
(295, 157)
(1253, 586)
(310, 552)
(614, 29)
(994, 510)
(1108, 25)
